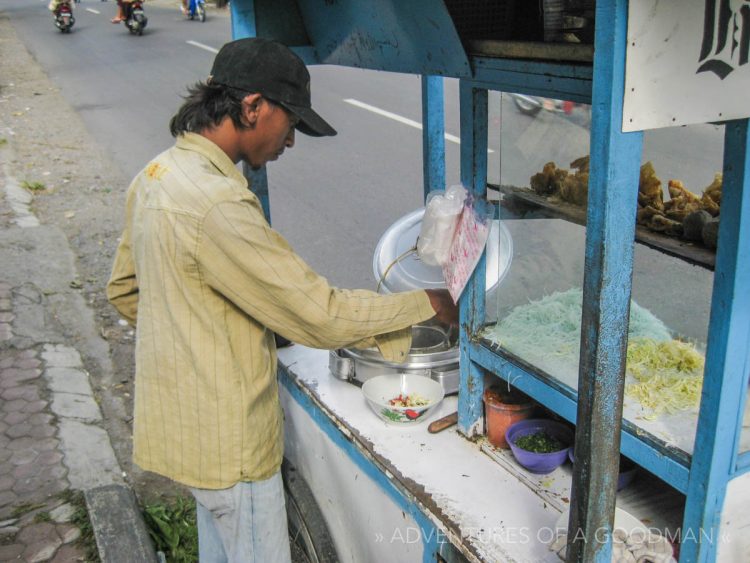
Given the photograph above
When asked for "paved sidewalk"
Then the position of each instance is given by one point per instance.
(51, 438)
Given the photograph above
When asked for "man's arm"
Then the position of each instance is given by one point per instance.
(446, 311)
(251, 265)
(122, 287)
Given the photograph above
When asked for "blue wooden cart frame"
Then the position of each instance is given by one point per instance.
(362, 33)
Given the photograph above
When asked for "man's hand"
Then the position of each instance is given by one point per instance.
(446, 311)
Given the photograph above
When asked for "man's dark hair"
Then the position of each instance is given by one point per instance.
(205, 106)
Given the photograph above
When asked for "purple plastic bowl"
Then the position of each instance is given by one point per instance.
(628, 470)
(538, 462)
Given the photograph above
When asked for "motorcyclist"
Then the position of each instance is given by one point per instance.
(122, 11)
(54, 6)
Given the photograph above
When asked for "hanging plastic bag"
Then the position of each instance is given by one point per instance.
(441, 216)
(469, 240)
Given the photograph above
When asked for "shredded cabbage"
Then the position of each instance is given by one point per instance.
(669, 375)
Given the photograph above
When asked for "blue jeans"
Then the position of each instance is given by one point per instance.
(243, 524)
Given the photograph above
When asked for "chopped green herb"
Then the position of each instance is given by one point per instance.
(540, 443)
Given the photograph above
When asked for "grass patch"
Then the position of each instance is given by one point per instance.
(25, 508)
(42, 517)
(33, 186)
(173, 529)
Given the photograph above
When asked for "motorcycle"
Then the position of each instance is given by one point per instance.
(64, 19)
(134, 17)
(197, 9)
(532, 105)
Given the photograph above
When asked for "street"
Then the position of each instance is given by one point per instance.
(332, 198)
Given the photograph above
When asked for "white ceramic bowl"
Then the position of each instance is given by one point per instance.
(379, 391)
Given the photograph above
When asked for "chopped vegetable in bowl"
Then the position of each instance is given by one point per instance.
(540, 445)
(412, 400)
(540, 442)
(402, 398)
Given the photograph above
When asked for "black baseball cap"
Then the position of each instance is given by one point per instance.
(271, 69)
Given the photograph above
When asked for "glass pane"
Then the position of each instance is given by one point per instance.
(679, 203)
(534, 314)
(542, 167)
(667, 346)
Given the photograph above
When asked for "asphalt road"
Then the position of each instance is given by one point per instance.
(332, 198)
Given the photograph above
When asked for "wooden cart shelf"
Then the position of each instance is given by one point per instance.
(523, 200)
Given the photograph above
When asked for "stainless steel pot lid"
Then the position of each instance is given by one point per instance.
(410, 273)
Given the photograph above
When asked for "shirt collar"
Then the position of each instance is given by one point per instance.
(209, 149)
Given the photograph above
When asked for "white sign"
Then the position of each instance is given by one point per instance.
(687, 62)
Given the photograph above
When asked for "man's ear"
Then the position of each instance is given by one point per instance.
(251, 108)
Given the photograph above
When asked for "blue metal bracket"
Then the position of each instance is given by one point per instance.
(433, 134)
(243, 18)
(473, 105)
(385, 35)
(612, 201)
(743, 464)
(258, 183)
(537, 78)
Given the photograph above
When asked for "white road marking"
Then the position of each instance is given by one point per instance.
(202, 46)
(400, 119)
(93, 11)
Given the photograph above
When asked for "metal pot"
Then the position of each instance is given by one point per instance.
(434, 353)
(396, 269)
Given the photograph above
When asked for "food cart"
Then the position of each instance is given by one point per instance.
(387, 494)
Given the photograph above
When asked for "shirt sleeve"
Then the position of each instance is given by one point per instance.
(122, 287)
(254, 267)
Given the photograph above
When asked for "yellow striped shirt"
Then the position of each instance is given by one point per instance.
(209, 281)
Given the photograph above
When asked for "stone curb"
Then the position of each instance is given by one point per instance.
(121, 535)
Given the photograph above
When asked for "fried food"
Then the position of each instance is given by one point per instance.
(645, 214)
(575, 188)
(711, 199)
(692, 226)
(649, 188)
(571, 187)
(710, 233)
(682, 201)
(549, 181)
(663, 224)
(684, 214)
(581, 164)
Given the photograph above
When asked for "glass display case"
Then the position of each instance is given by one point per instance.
(597, 313)
(534, 317)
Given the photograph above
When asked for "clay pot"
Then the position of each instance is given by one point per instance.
(502, 409)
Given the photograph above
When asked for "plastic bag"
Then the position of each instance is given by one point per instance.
(441, 216)
(468, 243)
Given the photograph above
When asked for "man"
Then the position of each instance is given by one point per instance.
(210, 282)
